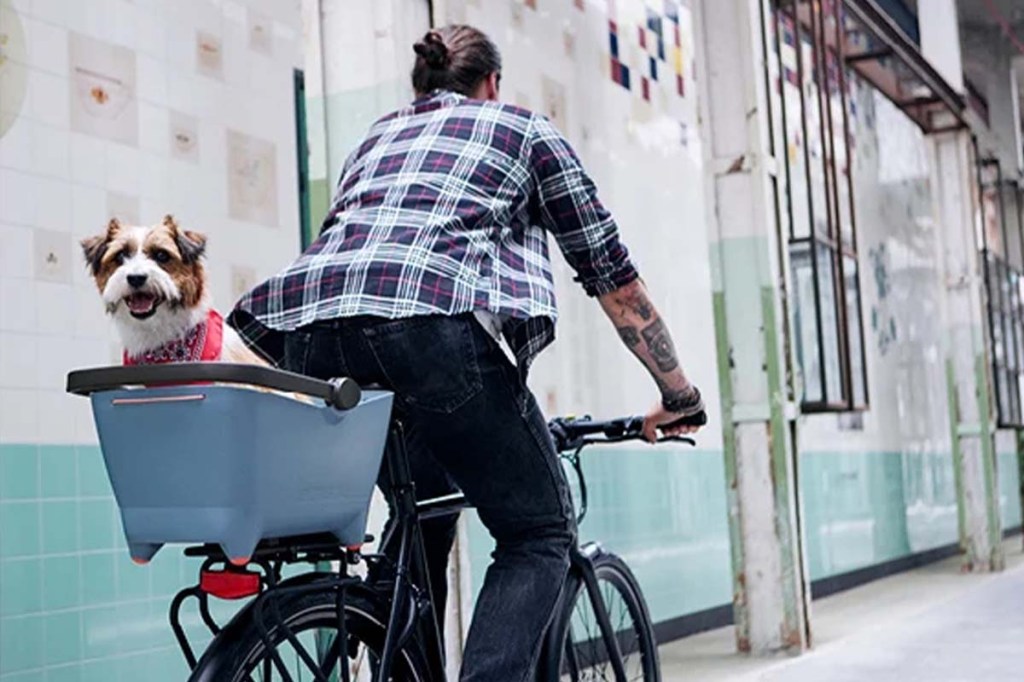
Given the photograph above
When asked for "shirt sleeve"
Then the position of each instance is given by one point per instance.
(569, 208)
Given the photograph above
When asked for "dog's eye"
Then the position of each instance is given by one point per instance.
(119, 258)
(161, 256)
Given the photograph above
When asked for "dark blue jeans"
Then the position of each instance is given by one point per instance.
(471, 426)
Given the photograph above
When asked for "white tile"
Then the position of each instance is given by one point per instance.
(89, 207)
(51, 155)
(153, 128)
(151, 31)
(18, 361)
(123, 169)
(22, 7)
(56, 355)
(88, 160)
(153, 178)
(18, 416)
(53, 11)
(17, 198)
(54, 308)
(122, 23)
(48, 47)
(56, 410)
(16, 145)
(151, 83)
(51, 99)
(52, 256)
(17, 305)
(53, 209)
(90, 320)
(16, 251)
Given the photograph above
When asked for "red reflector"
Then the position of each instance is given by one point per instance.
(229, 584)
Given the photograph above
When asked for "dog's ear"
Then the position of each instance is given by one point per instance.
(94, 248)
(192, 245)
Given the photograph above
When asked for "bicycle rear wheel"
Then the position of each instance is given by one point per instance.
(240, 653)
(577, 651)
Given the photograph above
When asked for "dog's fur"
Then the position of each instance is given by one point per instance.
(153, 284)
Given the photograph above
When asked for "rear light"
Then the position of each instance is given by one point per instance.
(230, 584)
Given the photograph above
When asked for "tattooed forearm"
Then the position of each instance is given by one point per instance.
(660, 346)
(645, 334)
(629, 336)
(635, 301)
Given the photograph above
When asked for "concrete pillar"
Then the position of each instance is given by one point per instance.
(965, 340)
(955, 180)
(771, 597)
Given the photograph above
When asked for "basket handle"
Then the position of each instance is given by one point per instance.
(342, 394)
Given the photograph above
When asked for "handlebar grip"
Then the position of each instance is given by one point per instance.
(698, 419)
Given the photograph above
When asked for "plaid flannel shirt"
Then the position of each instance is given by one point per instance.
(444, 209)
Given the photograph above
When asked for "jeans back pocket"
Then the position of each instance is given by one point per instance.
(430, 361)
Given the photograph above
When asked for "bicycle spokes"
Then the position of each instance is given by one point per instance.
(587, 657)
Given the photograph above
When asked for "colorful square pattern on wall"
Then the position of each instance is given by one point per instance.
(648, 48)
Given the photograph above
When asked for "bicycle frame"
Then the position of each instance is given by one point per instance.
(408, 593)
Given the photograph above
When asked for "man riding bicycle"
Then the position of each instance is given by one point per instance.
(434, 254)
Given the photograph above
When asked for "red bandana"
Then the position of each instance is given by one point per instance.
(202, 343)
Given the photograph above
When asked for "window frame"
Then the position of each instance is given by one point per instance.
(829, 250)
(1004, 309)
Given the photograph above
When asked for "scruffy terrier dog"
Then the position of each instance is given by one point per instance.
(154, 286)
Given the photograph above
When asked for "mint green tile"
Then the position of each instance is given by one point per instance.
(100, 632)
(98, 579)
(63, 637)
(20, 536)
(19, 472)
(92, 473)
(96, 523)
(165, 569)
(21, 644)
(136, 667)
(58, 475)
(31, 676)
(133, 582)
(65, 673)
(60, 527)
(20, 587)
(61, 582)
(99, 671)
(140, 627)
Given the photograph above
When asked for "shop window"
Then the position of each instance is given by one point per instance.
(808, 86)
(1003, 263)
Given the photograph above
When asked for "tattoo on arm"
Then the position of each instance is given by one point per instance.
(638, 303)
(629, 336)
(660, 346)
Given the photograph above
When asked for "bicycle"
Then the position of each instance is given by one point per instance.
(330, 625)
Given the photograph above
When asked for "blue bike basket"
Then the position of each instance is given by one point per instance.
(230, 465)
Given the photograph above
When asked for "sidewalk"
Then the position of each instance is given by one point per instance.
(932, 624)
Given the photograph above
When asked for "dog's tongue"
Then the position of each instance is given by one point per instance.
(140, 303)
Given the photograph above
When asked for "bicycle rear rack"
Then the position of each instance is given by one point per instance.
(219, 578)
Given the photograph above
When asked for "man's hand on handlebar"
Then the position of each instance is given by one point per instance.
(676, 415)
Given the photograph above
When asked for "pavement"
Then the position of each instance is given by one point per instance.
(931, 624)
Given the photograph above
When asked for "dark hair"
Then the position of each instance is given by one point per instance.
(455, 58)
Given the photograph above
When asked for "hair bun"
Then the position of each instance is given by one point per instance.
(433, 51)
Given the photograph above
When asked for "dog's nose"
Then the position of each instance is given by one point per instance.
(136, 281)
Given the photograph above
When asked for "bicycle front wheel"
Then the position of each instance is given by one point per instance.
(302, 644)
(578, 652)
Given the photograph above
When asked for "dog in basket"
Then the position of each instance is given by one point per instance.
(153, 284)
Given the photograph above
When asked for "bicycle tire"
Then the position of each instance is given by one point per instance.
(237, 652)
(613, 576)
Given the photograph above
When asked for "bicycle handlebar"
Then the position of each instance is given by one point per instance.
(570, 433)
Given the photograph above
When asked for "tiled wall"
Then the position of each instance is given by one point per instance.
(134, 109)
